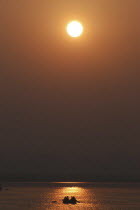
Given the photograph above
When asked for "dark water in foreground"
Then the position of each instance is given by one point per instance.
(97, 196)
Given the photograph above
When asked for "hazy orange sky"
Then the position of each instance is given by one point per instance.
(67, 100)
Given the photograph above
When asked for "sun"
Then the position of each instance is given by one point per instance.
(74, 29)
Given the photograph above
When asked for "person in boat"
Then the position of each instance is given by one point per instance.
(66, 200)
(73, 200)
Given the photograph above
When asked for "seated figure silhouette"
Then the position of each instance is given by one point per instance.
(66, 200)
(73, 200)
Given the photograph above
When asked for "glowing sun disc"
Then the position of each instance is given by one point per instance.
(74, 29)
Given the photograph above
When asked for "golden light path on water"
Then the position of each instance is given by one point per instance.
(72, 191)
(56, 195)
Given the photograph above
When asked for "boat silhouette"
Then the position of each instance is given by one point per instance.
(73, 200)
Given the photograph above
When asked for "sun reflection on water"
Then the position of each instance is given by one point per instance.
(72, 190)
(53, 196)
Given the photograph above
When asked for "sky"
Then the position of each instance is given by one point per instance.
(69, 108)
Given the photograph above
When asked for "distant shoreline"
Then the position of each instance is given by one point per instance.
(86, 182)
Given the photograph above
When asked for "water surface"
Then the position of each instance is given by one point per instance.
(97, 196)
